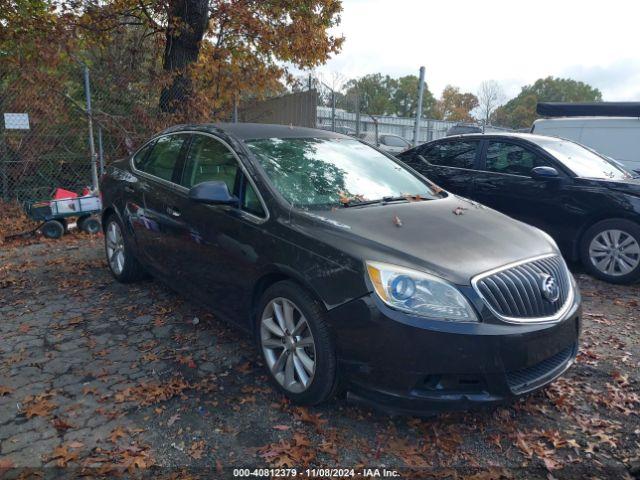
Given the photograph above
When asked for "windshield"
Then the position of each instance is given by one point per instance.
(321, 172)
(582, 161)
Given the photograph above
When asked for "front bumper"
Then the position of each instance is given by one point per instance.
(408, 364)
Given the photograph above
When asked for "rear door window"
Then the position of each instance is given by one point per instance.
(453, 154)
(163, 158)
(509, 158)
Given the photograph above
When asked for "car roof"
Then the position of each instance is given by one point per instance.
(254, 131)
(580, 120)
(507, 135)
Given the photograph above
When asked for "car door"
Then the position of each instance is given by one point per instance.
(505, 184)
(451, 164)
(217, 252)
(153, 220)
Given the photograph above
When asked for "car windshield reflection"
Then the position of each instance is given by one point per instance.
(329, 172)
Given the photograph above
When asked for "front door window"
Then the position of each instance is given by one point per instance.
(512, 159)
(208, 160)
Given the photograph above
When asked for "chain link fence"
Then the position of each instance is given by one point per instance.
(46, 133)
(43, 142)
(342, 111)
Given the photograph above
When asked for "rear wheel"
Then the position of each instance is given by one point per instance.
(610, 250)
(89, 224)
(122, 263)
(296, 345)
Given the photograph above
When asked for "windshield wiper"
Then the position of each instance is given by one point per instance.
(383, 200)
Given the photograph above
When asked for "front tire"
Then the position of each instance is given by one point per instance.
(122, 263)
(610, 251)
(296, 345)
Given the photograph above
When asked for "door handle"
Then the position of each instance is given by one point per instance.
(173, 212)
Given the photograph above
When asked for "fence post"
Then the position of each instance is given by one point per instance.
(92, 146)
(357, 111)
(333, 111)
(416, 128)
(235, 108)
(4, 165)
(100, 149)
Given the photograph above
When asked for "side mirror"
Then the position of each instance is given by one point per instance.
(544, 173)
(214, 192)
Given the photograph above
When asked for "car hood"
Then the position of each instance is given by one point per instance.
(451, 237)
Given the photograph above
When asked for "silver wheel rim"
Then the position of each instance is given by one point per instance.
(614, 252)
(115, 248)
(288, 345)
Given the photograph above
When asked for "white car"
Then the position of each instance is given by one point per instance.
(615, 137)
(387, 142)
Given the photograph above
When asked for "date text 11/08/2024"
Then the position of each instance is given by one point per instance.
(316, 473)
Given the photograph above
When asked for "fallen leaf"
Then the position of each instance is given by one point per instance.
(173, 419)
(62, 455)
(314, 419)
(396, 221)
(116, 433)
(39, 406)
(61, 424)
(244, 367)
(5, 465)
(197, 449)
(5, 390)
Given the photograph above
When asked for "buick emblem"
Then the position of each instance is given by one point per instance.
(549, 288)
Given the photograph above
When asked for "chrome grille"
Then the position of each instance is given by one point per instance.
(515, 293)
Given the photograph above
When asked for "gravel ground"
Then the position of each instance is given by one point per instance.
(102, 379)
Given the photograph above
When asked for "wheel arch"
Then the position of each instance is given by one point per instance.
(106, 213)
(596, 219)
(272, 276)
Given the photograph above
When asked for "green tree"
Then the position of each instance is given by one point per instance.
(382, 95)
(404, 97)
(520, 112)
(374, 91)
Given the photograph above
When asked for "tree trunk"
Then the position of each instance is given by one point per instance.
(187, 25)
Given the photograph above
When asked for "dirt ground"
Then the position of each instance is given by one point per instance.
(102, 379)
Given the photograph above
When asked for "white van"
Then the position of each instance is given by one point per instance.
(615, 137)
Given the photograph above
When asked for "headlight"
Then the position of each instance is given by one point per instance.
(419, 293)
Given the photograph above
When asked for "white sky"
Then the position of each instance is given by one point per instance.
(463, 42)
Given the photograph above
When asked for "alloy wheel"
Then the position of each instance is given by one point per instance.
(288, 345)
(115, 248)
(614, 252)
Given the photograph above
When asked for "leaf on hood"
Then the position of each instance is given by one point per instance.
(396, 221)
(459, 210)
